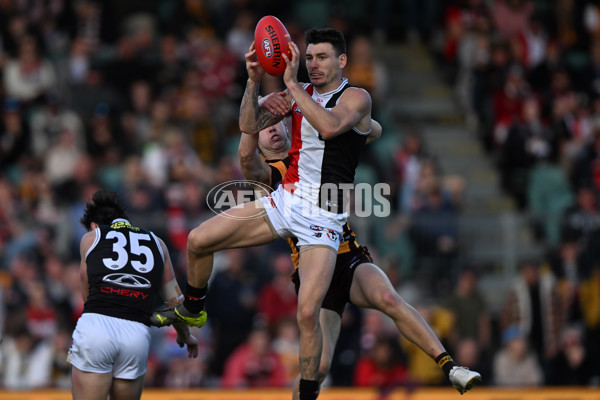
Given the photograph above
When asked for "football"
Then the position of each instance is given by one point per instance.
(271, 40)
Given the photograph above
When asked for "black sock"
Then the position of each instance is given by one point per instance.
(309, 390)
(445, 362)
(194, 297)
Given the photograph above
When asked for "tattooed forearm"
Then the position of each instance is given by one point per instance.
(255, 102)
(265, 118)
(254, 118)
(250, 96)
(249, 109)
(309, 367)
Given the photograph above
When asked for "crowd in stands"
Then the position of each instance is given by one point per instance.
(526, 73)
(142, 97)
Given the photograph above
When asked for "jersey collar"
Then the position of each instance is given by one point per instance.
(344, 81)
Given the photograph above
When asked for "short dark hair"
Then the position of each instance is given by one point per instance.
(327, 35)
(103, 208)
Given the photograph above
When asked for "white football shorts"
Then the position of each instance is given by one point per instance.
(104, 344)
(293, 216)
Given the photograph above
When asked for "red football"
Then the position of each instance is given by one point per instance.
(271, 40)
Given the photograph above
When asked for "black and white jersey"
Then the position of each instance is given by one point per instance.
(315, 162)
(125, 267)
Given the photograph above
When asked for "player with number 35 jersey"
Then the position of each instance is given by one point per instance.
(126, 272)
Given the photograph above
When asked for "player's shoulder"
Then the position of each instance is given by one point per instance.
(357, 92)
(356, 97)
(88, 239)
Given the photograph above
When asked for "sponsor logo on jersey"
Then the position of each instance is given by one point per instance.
(128, 280)
(121, 224)
(333, 235)
(124, 292)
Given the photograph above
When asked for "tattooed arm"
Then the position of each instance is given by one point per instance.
(252, 117)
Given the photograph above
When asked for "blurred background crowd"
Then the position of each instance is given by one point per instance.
(142, 97)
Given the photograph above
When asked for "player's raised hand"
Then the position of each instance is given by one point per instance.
(255, 71)
(290, 76)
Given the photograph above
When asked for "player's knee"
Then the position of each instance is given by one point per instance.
(198, 240)
(390, 301)
(308, 317)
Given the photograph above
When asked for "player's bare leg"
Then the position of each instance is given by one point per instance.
(331, 323)
(90, 386)
(371, 288)
(127, 389)
(241, 226)
(316, 268)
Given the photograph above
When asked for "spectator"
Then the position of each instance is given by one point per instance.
(26, 361)
(532, 306)
(254, 363)
(469, 354)
(87, 95)
(573, 365)
(408, 160)
(511, 17)
(515, 364)
(381, 367)
(61, 158)
(42, 321)
(78, 63)
(581, 224)
(241, 34)
(29, 76)
(508, 103)
(180, 371)
(540, 74)
(286, 344)
(57, 291)
(232, 307)
(277, 300)
(140, 111)
(533, 40)
(366, 71)
(567, 268)
(14, 135)
(435, 237)
(61, 369)
(590, 308)
(471, 315)
(50, 120)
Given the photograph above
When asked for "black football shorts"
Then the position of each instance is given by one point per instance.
(339, 291)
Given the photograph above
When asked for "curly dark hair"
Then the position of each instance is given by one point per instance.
(327, 35)
(103, 208)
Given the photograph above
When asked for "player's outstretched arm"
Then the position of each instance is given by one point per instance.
(253, 118)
